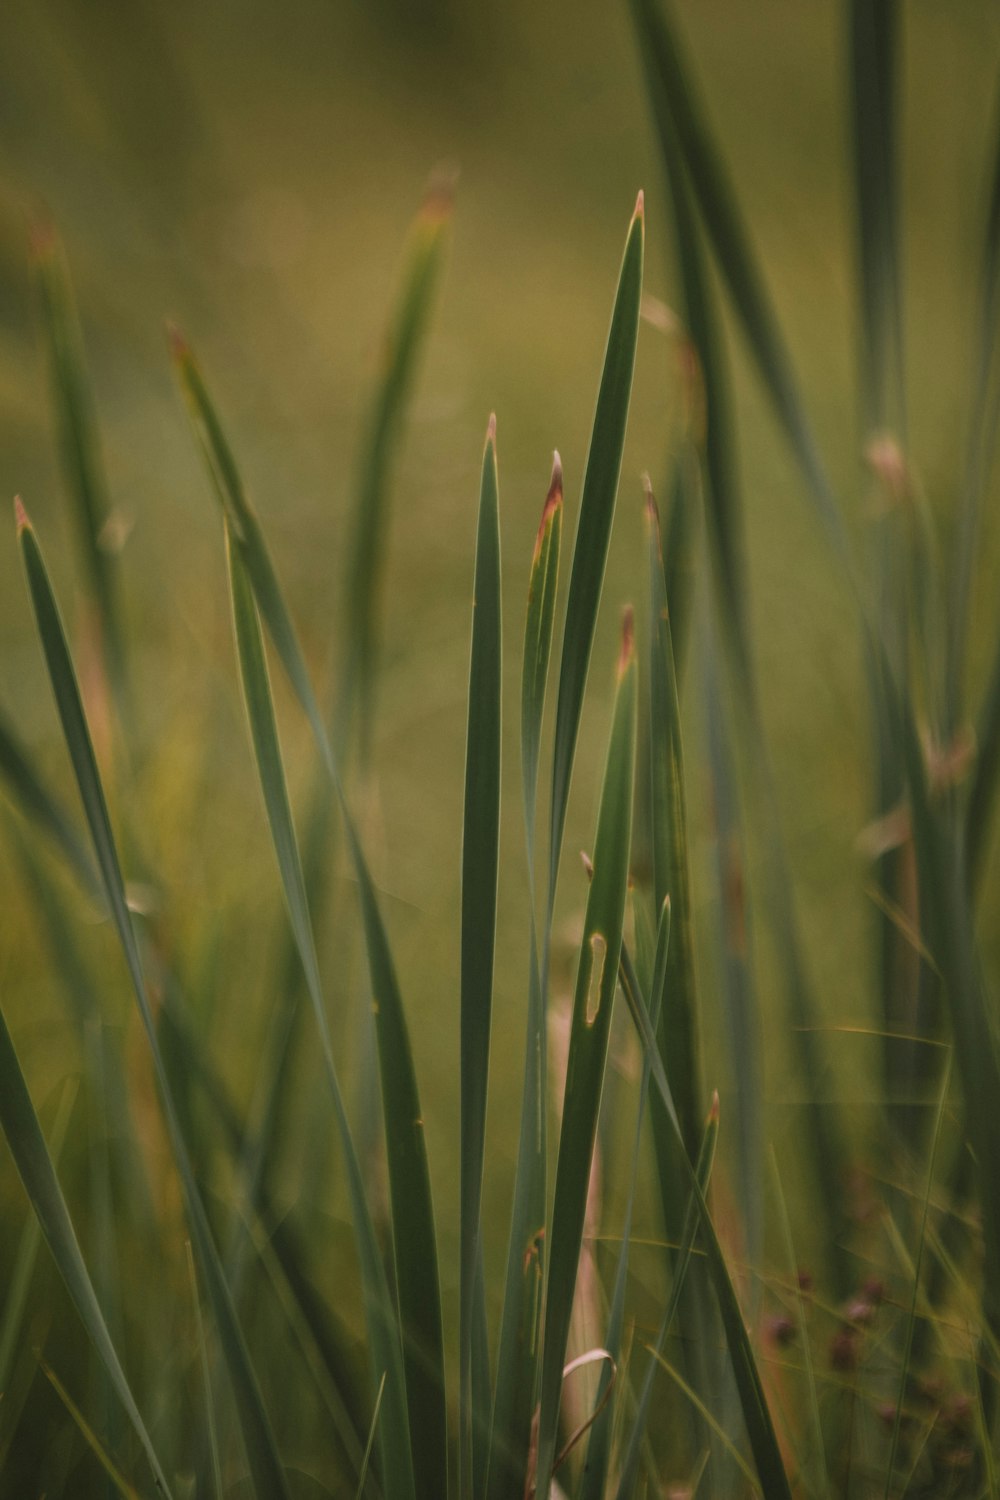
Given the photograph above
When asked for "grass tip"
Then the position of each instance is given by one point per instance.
(713, 1113)
(439, 197)
(553, 500)
(41, 237)
(588, 864)
(640, 206)
(491, 430)
(628, 640)
(20, 515)
(180, 349)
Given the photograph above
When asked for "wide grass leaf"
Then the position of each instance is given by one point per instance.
(267, 1474)
(597, 981)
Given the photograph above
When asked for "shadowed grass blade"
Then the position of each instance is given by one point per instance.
(107, 1463)
(517, 1358)
(597, 507)
(597, 981)
(265, 1467)
(206, 1377)
(402, 346)
(394, 1430)
(660, 47)
(599, 1447)
(703, 1170)
(756, 1414)
(480, 863)
(80, 445)
(30, 795)
(34, 1165)
(246, 532)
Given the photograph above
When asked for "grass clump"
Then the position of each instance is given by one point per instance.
(231, 1350)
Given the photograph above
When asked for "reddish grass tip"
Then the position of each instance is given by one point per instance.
(713, 1113)
(491, 430)
(588, 864)
(640, 205)
(20, 515)
(179, 346)
(628, 640)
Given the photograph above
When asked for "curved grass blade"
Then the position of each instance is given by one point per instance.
(703, 1170)
(246, 532)
(660, 47)
(597, 981)
(480, 866)
(80, 445)
(597, 507)
(34, 1165)
(394, 1432)
(29, 793)
(517, 1357)
(756, 1414)
(265, 1466)
(403, 343)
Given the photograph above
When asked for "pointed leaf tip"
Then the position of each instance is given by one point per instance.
(713, 1113)
(179, 346)
(588, 864)
(20, 515)
(652, 509)
(628, 640)
(491, 429)
(640, 206)
(41, 238)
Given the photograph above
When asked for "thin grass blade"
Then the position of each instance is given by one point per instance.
(597, 981)
(386, 1354)
(266, 1471)
(246, 532)
(517, 1357)
(403, 345)
(597, 507)
(100, 1452)
(34, 1165)
(80, 447)
(480, 867)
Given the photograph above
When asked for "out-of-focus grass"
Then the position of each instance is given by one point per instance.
(251, 174)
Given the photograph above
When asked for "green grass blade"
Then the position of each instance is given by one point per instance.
(980, 444)
(873, 25)
(985, 778)
(19, 1279)
(367, 1456)
(206, 1378)
(34, 1165)
(80, 446)
(107, 1463)
(480, 865)
(597, 506)
(246, 532)
(756, 1414)
(30, 795)
(394, 1431)
(629, 1475)
(403, 344)
(597, 981)
(517, 1356)
(660, 47)
(265, 1466)
(816, 1465)
(599, 1447)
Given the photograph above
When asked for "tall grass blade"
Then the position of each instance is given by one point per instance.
(206, 1377)
(480, 867)
(246, 532)
(265, 1466)
(597, 981)
(19, 1280)
(599, 1447)
(597, 506)
(80, 448)
(403, 344)
(517, 1356)
(34, 1165)
(29, 793)
(629, 1475)
(756, 1414)
(660, 47)
(367, 1455)
(394, 1433)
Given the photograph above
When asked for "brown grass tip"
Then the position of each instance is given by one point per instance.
(179, 346)
(652, 509)
(20, 515)
(41, 237)
(588, 864)
(640, 205)
(713, 1113)
(439, 199)
(628, 640)
(491, 429)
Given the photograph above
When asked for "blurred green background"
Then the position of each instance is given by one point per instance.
(250, 171)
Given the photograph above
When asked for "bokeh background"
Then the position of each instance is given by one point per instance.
(249, 170)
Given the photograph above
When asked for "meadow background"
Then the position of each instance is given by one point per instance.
(250, 172)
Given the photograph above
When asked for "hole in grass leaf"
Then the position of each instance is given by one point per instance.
(598, 953)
